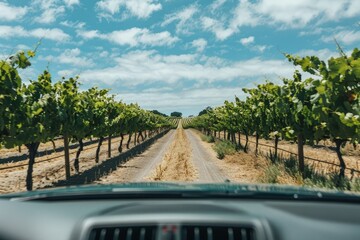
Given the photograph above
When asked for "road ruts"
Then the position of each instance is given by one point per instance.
(204, 161)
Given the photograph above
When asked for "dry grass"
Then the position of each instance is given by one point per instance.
(323, 151)
(176, 164)
(244, 167)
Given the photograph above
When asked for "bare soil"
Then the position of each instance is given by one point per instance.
(240, 167)
(176, 164)
(205, 160)
(179, 156)
(244, 167)
(139, 167)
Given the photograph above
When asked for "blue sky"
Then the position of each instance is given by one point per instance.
(175, 55)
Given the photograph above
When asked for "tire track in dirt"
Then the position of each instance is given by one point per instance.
(139, 167)
(176, 164)
(204, 160)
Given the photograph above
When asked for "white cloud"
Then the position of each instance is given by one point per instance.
(70, 3)
(11, 13)
(90, 34)
(133, 37)
(137, 8)
(76, 25)
(54, 34)
(183, 18)
(244, 15)
(22, 47)
(51, 10)
(280, 14)
(260, 48)
(65, 73)
(72, 57)
(103, 54)
(138, 36)
(217, 4)
(217, 27)
(299, 13)
(139, 67)
(345, 36)
(247, 41)
(184, 100)
(10, 31)
(199, 44)
(323, 54)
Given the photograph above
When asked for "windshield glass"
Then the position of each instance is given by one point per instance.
(112, 91)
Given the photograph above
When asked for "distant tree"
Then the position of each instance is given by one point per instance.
(159, 113)
(206, 110)
(191, 116)
(176, 114)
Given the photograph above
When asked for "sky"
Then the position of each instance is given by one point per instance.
(175, 55)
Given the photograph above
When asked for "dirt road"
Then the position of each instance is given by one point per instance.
(179, 156)
(204, 160)
(177, 164)
(139, 167)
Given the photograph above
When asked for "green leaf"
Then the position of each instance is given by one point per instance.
(31, 54)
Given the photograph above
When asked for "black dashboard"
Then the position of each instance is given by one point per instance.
(191, 219)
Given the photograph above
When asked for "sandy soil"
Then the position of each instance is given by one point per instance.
(205, 160)
(176, 164)
(240, 167)
(139, 167)
(178, 156)
(47, 147)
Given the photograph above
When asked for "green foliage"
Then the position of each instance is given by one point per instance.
(176, 114)
(355, 185)
(336, 104)
(204, 111)
(223, 148)
(36, 118)
(271, 174)
(159, 113)
(209, 139)
(324, 106)
(41, 110)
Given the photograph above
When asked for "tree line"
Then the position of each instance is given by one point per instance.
(42, 110)
(324, 105)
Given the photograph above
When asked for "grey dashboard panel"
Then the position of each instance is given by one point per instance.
(64, 220)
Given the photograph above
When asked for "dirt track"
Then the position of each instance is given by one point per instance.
(139, 167)
(176, 164)
(204, 160)
(178, 156)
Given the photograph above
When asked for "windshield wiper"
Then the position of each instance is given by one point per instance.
(191, 194)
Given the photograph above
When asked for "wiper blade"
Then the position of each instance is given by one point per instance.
(192, 194)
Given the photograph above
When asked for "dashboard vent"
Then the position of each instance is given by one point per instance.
(124, 233)
(217, 233)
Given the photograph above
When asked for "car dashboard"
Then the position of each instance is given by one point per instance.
(178, 219)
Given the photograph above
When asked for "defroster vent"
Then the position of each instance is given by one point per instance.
(217, 233)
(124, 233)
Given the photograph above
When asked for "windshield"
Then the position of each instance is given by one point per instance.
(113, 91)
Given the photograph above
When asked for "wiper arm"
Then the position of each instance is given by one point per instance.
(226, 193)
